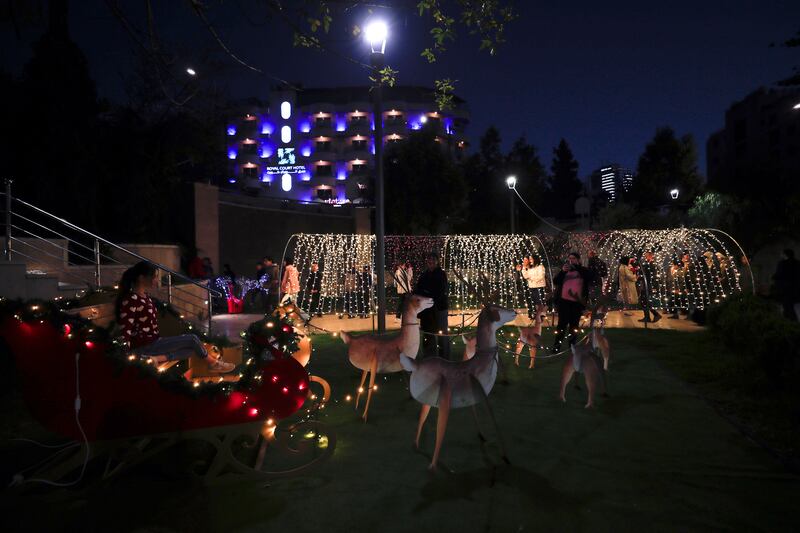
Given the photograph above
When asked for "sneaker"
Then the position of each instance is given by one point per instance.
(657, 318)
(221, 367)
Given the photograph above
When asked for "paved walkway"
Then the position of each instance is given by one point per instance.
(232, 325)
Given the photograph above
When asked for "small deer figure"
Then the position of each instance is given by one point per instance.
(373, 354)
(437, 382)
(531, 337)
(585, 360)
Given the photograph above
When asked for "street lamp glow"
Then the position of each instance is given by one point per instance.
(796, 106)
(674, 193)
(191, 72)
(375, 33)
(511, 181)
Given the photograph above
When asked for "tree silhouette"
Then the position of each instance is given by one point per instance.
(426, 189)
(565, 187)
(667, 163)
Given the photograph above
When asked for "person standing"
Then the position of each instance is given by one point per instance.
(627, 284)
(599, 271)
(571, 289)
(404, 277)
(366, 280)
(433, 321)
(787, 283)
(273, 283)
(536, 282)
(350, 292)
(312, 292)
(649, 278)
(290, 283)
(257, 292)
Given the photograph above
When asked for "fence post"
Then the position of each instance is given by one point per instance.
(210, 313)
(169, 287)
(8, 220)
(97, 264)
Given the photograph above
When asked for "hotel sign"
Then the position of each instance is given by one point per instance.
(287, 163)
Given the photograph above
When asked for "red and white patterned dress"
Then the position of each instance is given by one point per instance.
(138, 320)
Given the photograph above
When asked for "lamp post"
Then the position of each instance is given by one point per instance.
(376, 33)
(511, 181)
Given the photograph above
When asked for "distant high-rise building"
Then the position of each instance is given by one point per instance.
(613, 179)
(761, 139)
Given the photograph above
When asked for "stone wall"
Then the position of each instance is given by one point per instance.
(250, 228)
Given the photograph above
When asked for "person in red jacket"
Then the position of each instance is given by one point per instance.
(138, 318)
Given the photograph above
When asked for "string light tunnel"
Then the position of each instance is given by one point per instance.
(694, 268)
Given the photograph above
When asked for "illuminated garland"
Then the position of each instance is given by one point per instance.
(76, 327)
(710, 274)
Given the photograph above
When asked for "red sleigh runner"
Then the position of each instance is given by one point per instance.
(129, 412)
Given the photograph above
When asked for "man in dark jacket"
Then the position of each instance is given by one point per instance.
(571, 291)
(649, 281)
(433, 321)
(599, 271)
(787, 283)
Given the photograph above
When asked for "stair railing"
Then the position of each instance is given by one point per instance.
(27, 238)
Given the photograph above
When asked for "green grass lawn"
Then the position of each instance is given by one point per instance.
(652, 456)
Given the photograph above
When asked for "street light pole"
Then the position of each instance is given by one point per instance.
(376, 35)
(511, 181)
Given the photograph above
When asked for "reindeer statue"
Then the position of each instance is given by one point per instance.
(374, 354)
(437, 382)
(585, 359)
(529, 336)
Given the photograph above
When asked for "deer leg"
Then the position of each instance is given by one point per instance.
(478, 390)
(441, 422)
(532, 350)
(566, 375)
(520, 346)
(361, 386)
(478, 425)
(591, 376)
(423, 415)
(605, 349)
(373, 371)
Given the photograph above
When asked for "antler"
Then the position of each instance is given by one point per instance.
(403, 284)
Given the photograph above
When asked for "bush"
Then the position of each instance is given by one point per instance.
(752, 327)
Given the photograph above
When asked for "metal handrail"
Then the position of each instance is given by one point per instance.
(48, 241)
(26, 219)
(88, 285)
(118, 247)
(54, 232)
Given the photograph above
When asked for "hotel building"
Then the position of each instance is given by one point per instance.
(317, 145)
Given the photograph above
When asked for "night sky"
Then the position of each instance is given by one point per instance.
(603, 75)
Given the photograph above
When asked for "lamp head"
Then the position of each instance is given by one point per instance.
(674, 193)
(375, 33)
(191, 72)
(511, 181)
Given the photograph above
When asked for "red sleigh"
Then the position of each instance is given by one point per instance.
(127, 414)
